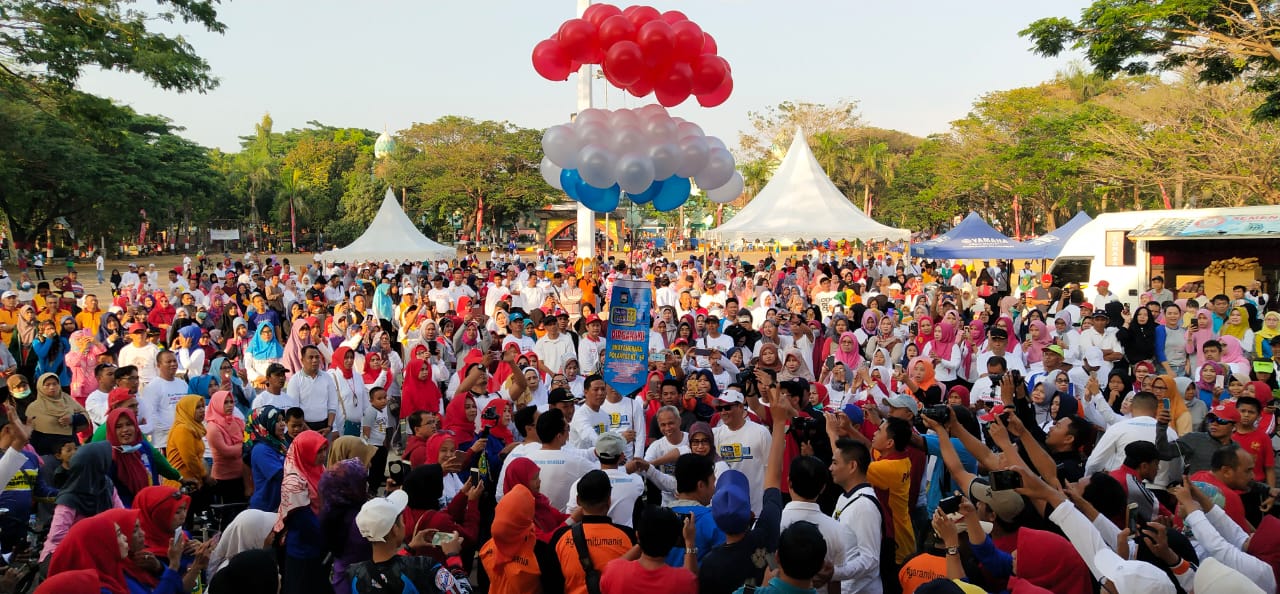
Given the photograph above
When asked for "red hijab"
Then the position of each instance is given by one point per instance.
(1055, 563)
(504, 369)
(340, 359)
(546, 519)
(419, 394)
(130, 470)
(156, 507)
(371, 375)
(495, 426)
(90, 544)
(455, 418)
(435, 442)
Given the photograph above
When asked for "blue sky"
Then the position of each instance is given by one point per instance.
(912, 66)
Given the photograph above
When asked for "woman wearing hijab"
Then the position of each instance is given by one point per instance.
(425, 487)
(111, 334)
(420, 391)
(1233, 356)
(1164, 386)
(54, 416)
(1190, 396)
(375, 374)
(87, 492)
(1139, 340)
(515, 560)
(299, 336)
(1200, 332)
(944, 352)
(300, 506)
(99, 545)
(344, 488)
(161, 316)
(226, 441)
(81, 360)
(921, 381)
(135, 464)
(247, 532)
(793, 367)
(460, 418)
(1262, 338)
(262, 351)
(222, 372)
(349, 447)
(525, 472)
(352, 395)
(267, 457)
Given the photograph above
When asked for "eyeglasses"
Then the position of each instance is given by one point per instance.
(699, 442)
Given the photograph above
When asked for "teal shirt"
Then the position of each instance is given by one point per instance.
(777, 586)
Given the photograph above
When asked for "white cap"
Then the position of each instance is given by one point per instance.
(1131, 577)
(378, 515)
(731, 396)
(1213, 576)
(8, 294)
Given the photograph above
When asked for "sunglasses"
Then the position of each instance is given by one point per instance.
(725, 407)
(1221, 421)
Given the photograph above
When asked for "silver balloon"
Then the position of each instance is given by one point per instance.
(693, 156)
(551, 172)
(718, 172)
(561, 145)
(687, 129)
(598, 134)
(596, 166)
(628, 139)
(666, 159)
(660, 128)
(716, 143)
(592, 116)
(728, 192)
(624, 118)
(635, 172)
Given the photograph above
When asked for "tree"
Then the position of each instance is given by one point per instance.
(45, 45)
(873, 164)
(775, 127)
(1224, 40)
(293, 189)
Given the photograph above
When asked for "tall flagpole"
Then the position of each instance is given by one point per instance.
(586, 218)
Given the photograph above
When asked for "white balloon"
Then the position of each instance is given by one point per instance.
(728, 192)
(624, 118)
(635, 172)
(718, 172)
(716, 143)
(561, 145)
(592, 115)
(629, 139)
(551, 172)
(687, 129)
(666, 159)
(597, 133)
(660, 129)
(596, 166)
(651, 110)
(693, 156)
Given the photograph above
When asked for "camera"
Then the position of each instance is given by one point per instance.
(940, 413)
(1005, 480)
(949, 505)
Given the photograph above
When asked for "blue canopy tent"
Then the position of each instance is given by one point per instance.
(972, 239)
(1048, 246)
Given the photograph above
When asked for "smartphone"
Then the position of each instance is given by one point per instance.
(950, 505)
(1165, 403)
(1135, 521)
(177, 533)
(659, 357)
(831, 362)
(440, 538)
(1005, 480)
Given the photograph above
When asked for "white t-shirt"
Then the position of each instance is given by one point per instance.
(627, 413)
(659, 448)
(441, 298)
(627, 488)
(282, 401)
(96, 405)
(590, 354)
(747, 451)
(376, 421)
(554, 352)
(144, 358)
(157, 403)
(559, 470)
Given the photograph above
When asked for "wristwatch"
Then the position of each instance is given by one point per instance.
(953, 551)
(691, 551)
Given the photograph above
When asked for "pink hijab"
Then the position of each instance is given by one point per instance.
(944, 346)
(1036, 354)
(851, 360)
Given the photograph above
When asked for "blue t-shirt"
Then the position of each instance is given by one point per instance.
(970, 463)
(708, 534)
(304, 540)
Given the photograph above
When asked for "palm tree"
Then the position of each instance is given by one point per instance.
(872, 164)
(258, 164)
(294, 190)
(756, 174)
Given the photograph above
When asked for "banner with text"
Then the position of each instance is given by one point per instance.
(626, 358)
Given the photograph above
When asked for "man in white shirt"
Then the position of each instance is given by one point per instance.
(589, 421)
(627, 487)
(158, 401)
(438, 294)
(997, 346)
(591, 346)
(97, 402)
(1108, 454)
(531, 294)
(130, 278)
(808, 476)
(625, 417)
(665, 296)
(858, 510)
(273, 394)
(497, 292)
(333, 292)
(743, 444)
(1099, 335)
(315, 392)
(459, 288)
(100, 265)
(558, 469)
(139, 353)
(712, 338)
(554, 348)
(1104, 295)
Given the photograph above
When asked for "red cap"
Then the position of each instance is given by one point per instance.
(137, 327)
(1046, 278)
(1227, 412)
(1103, 283)
(990, 417)
(593, 318)
(116, 396)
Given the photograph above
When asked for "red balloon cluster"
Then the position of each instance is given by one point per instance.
(642, 51)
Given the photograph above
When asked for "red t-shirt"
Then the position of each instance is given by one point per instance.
(629, 577)
(1259, 446)
(1230, 500)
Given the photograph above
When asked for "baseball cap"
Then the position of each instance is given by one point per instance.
(1006, 504)
(998, 333)
(1100, 313)
(1131, 577)
(593, 318)
(990, 417)
(1264, 366)
(137, 327)
(558, 395)
(8, 294)
(1053, 348)
(378, 515)
(731, 505)
(1226, 411)
(904, 401)
(1046, 278)
(1213, 576)
(1103, 283)
(610, 445)
(854, 412)
(731, 397)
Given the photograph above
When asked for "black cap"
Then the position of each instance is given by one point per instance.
(1098, 313)
(1000, 333)
(558, 395)
(594, 488)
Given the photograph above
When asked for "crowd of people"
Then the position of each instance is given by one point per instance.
(810, 422)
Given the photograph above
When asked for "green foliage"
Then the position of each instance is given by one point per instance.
(1224, 40)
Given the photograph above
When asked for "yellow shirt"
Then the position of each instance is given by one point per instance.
(893, 475)
(8, 318)
(89, 320)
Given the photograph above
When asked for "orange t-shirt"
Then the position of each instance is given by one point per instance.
(606, 541)
(920, 570)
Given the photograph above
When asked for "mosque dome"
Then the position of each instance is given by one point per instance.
(384, 145)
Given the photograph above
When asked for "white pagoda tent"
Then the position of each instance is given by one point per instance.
(391, 237)
(800, 202)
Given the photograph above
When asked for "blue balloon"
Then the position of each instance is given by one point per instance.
(675, 190)
(649, 194)
(569, 181)
(598, 200)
